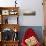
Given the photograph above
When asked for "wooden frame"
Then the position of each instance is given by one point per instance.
(6, 12)
(7, 25)
(10, 9)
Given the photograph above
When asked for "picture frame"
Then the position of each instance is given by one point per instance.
(5, 12)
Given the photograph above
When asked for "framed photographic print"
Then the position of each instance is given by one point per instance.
(5, 12)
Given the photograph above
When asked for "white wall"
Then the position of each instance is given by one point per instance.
(37, 20)
(31, 5)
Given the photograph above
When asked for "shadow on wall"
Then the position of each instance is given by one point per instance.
(37, 29)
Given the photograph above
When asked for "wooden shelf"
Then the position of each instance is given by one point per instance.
(11, 15)
(4, 13)
(9, 43)
(9, 8)
(10, 26)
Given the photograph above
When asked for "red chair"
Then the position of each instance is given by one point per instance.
(29, 33)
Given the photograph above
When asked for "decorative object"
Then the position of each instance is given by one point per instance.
(29, 13)
(5, 12)
(31, 41)
(13, 12)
